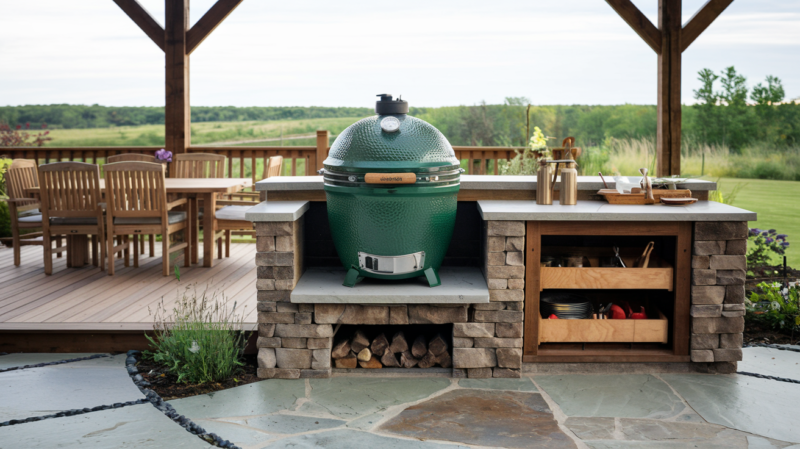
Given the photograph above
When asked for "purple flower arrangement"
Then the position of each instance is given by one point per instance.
(763, 245)
(164, 155)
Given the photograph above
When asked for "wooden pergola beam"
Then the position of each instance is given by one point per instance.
(701, 20)
(146, 22)
(210, 20)
(639, 22)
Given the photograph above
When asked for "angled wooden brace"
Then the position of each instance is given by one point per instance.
(210, 20)
(701, 20)
(145, 21)
(639, 22)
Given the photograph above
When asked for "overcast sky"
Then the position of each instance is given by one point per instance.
(341, 53)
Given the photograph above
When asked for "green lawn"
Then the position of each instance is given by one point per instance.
(777, 204)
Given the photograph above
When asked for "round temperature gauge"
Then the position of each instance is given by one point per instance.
(390, 124)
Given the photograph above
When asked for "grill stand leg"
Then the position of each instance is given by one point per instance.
(433, 277)
(352, 277)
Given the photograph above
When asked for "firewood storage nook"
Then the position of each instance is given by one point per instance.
(506, 257)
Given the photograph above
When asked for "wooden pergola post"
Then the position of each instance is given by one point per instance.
(178, 41)
(669, 41)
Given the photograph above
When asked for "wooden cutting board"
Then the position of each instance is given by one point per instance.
(638, 197)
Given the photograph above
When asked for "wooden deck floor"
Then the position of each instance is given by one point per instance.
(89, 300)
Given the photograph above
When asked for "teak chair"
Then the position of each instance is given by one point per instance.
(137, 205)
(135, 157)
(24, 210)
(200, 165)
(70, 193)
(230, 218)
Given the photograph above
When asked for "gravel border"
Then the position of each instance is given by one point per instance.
(167, 409)
(57, 362)
(764, 376)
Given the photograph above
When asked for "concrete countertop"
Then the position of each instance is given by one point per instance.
(471, 182)
(277, 211)
(460, 285)
(602, 211)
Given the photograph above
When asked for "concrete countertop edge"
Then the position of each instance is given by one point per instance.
(277, 211)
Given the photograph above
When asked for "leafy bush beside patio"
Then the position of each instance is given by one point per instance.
(200, 340)
(776, 306)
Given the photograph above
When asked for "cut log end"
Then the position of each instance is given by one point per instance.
(373, 363)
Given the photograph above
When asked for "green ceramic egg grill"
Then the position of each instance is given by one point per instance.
(391, 182)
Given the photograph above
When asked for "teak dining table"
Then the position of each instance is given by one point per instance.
(206, 189)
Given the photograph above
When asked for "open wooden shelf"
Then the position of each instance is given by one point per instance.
(657, 276)
(606, 331)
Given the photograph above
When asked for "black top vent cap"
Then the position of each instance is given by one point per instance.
(387, 106)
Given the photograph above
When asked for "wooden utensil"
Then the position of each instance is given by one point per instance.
(644, 260)
(647, 186)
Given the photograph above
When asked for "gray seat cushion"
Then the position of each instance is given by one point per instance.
(30, 219)
(232, 212)
(27, 213)
(73, 221)
(172, 218)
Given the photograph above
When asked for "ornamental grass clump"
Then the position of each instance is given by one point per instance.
(200, 340)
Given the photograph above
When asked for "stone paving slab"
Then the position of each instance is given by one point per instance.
(353, 439)
(523, 384)
(21, 359)
(760, 406)
(134, 427)
(47, 390)
(624, 396)
(287, 424)
(258, 398)
(770, 362)
(484, 418)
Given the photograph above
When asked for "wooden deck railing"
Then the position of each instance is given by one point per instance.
(249, 162)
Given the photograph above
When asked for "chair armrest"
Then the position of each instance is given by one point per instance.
(177, 202)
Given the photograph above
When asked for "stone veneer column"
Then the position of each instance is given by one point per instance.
(718, 274)
(490, 345)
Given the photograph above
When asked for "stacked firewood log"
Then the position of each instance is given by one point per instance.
(378, 353)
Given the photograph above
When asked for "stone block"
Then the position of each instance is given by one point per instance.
(398, 315)
(284, 243)
(720, 230)
(708, 248)
(515, 258)
(294, 342)
(284, 272)
(736, 247)
(489, 306)
(731, 341)
(266, 358)
(495, 244)
(276, 317)
(506, 228)
(506, 373)
(733, 307)
(350, 314)
(506, 295)
(479, 373)
(496, 259)
(268, 342)
(293, 358)
(732, 313)
(508, 330)
(303, 318)
(704, 341)
(722, 367)
(708, 310)
(266, 330)
(288, 307)
(321, 358)
(506, 272)
(265, 284)
(516, 284)
(315, 373)
(734, 294)
(704, 277)
(474, 358)
(509, 358)
(728, 263)
(702, 355)
(514, 305)
(305, 308)
(304, 330)
(273, 228)
(730, 277)
(721, 325)
(273, 295)
(462, 342)
(473, 330)
(498, 316)
(265, 244)
(497, 284)
(278, 373)
(428, 314)
(284, 284)
(727, 355)
(459, 373)
(496, 342)
(274, 259)
(515, 243)
(265, 272)
(267, 306)
(319, 343)
(701, 262)
(708, 294)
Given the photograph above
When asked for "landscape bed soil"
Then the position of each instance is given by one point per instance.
(168, 388)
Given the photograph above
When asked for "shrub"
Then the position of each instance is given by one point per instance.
(763, 246)
(776, 306)
(200, 341)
